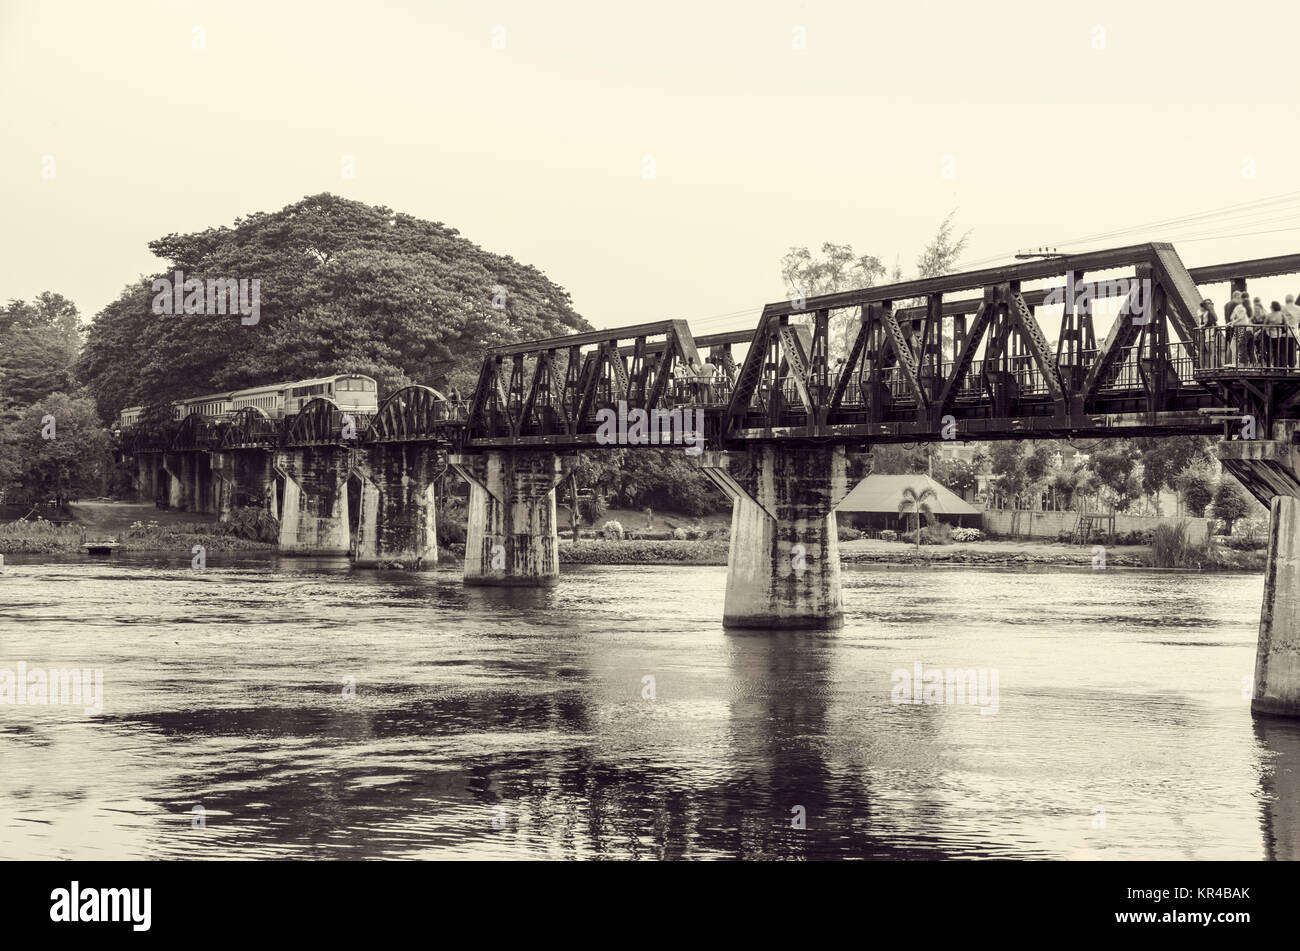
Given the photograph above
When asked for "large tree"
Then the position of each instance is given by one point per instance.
(56, 449)
(344, 287)
(41, 339)
(840, 268)
(1165, 458)
(1230, 502)
(1113, 464)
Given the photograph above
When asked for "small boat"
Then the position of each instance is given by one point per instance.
(102, 547)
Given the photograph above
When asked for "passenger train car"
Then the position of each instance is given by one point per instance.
(351, 391)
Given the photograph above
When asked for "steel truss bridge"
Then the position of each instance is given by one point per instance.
(962, 356)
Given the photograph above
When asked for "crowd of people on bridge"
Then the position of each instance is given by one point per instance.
(1250, 335)
(695, 382)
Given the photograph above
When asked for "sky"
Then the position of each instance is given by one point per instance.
(657, 160)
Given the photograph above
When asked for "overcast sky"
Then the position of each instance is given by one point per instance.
(769, 125)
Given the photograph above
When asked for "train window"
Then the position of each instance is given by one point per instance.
(343, 386)
(370, 385)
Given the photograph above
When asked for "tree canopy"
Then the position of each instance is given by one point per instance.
(344, 287)
(41, 339)
(54, 449)
(840, 268)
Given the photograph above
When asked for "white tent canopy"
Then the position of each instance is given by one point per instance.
(882, 493)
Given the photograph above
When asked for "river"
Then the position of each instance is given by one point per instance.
(272, 707)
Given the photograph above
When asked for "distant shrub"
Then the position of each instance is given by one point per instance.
(1254, 531)
(967, 535)
(253, 524)
(612, 530)
(38, 536)
(1171, 547)
(593, 509)
(936, 534)
(603, 552)
(847, 533)
(1142, 537)
(451, 518)
(940, 533)
(889, 535)
(1244, 542)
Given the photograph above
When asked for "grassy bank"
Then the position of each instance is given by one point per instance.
(599, 551)
(38, 536)
(1173, 553)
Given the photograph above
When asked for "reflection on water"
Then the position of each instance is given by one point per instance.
(516, 723)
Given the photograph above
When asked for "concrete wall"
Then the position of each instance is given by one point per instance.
(1051, 524)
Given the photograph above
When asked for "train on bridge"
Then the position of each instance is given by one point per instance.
(352, 392)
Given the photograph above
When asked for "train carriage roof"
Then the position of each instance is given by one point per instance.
(313, 381)
(206, 399)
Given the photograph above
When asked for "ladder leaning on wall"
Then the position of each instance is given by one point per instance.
(1083, 529)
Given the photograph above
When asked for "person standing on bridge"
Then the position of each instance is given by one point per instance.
(681, 379)
(1292, 311)
(1206, 319)
(1259, 342)
(1238, 330)
(707, 374)
(1276, 329)
(1291, 314)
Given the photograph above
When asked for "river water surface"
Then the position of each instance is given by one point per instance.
(287, 708)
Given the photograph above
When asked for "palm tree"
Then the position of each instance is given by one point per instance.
(915, 504)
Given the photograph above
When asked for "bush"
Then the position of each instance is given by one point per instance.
(1254, 531)
(253, 524)
(592, 510)
(889, 535)
(612, 530)
(451, 519)
(602, 552)
(940, 534)
(1171, 548)
(1247, 542)
(1121, 538)
(38, 536)
(967, 535)
(936, 534)
(846, 533)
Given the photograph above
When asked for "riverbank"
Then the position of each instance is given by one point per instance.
(144, 528)
(595, 551)
(136, 528)
(1037, 553)
(599, 551)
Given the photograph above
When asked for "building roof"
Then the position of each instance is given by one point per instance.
(882, 493)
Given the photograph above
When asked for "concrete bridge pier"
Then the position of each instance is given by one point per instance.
(148, 470)
(179, 467)
(783, 567)
(242, 477)
(205, 484)
(314, 517)
(511, 534)
(1270, 470)
(192, 483)
(398, 516)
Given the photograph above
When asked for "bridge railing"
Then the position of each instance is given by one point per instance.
(1255, 347)
(1126, 375)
